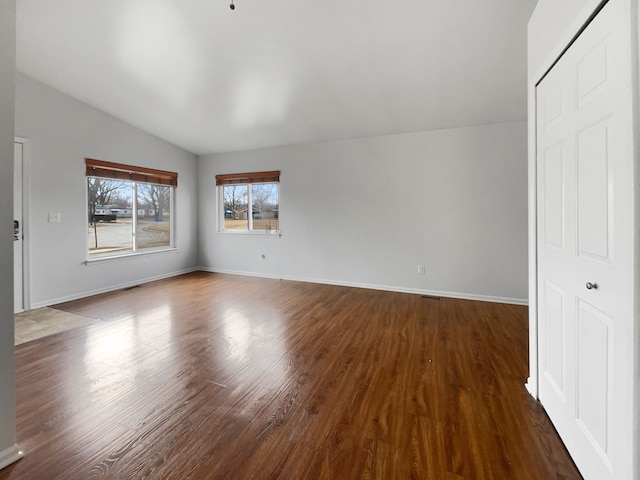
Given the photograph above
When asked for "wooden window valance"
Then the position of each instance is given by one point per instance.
(102, 169)
(255, 177)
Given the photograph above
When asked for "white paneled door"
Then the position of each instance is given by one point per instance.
(585, 248)
(18, 237)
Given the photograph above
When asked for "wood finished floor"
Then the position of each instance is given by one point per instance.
(209, 376)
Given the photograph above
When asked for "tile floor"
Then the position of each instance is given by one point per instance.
(41, 322)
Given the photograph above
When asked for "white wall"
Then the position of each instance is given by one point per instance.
(367, 212)
(63, 132)
(8, 449)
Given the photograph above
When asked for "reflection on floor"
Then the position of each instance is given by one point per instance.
(41, 322)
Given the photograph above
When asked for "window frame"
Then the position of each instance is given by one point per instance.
(248, 180)
(134, 176)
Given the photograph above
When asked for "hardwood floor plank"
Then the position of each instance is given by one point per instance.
(209, 376)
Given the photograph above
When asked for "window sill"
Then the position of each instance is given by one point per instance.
(111, 258)
(262, 233)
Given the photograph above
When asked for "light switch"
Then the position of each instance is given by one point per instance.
(55, 217)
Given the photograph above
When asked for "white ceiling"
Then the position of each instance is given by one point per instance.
(278, 72)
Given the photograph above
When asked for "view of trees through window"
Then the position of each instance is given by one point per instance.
(127, 217)
(252, 206)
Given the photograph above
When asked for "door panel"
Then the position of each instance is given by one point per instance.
(592, 73)
(554, 193)
(555, 314)
(594, 202)
(594, 374)
(585, 245)
(554, 106)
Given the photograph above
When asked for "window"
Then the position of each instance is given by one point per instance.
(249, 201)
(130, 209)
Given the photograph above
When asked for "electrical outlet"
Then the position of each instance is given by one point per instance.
(55, 217)
(422, 270)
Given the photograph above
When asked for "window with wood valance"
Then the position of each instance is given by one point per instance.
(249, 202)
(102, 169)
(129, 209)
(254, 177)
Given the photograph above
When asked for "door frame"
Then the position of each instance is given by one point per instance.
(26, 220)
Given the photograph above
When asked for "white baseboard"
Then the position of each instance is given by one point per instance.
(531, 388)
(88, 293)
(388, 288)
(10, 455)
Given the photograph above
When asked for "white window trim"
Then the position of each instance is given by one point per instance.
(147, 251)
(129, 255)
(220, 213)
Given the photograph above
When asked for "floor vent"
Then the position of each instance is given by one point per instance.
(431, 297)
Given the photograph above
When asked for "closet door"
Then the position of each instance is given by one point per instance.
(585, 245)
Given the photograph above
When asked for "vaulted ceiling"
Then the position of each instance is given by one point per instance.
(277, 72)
